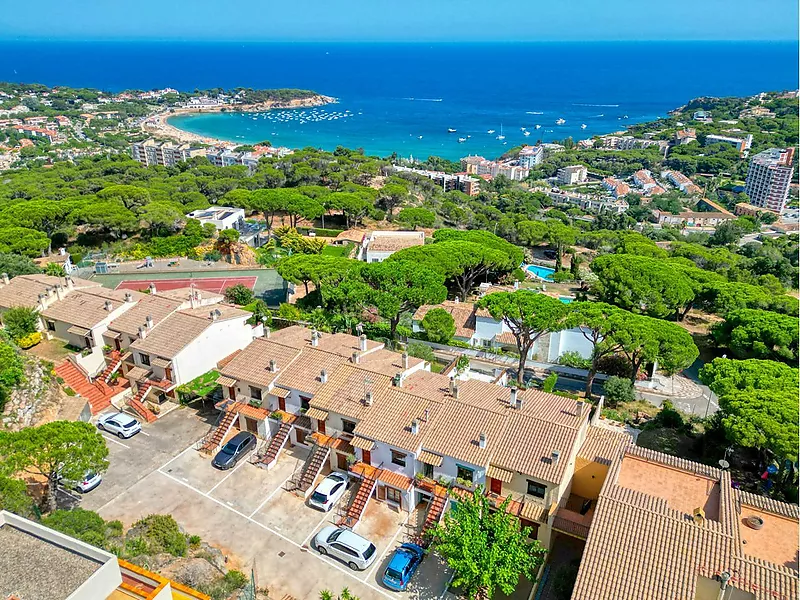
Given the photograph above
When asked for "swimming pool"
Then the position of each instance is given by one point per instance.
(545, 273)
(565, 299)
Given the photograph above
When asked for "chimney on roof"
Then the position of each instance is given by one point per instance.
(598, 409)
(323, 376)
(108, 306)
(267, 332)
(368, 398)
(397, 380)
(362, 343)
(41, 305)
(152, 287)
(516, 399)
(426, 414)
(415, 426)
(456, 300)
(482, 440)
(215, 314)
(70, 283)
(273, 366)
(580, 405)
(149, 321)
(355, 358)
(454, 389)
(128, 297)
(405, 361)
(698, 515)
(60, 293)
(5, 278)
(142, 332)
(314, 338)
(554, 456)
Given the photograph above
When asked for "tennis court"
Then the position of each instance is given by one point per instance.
(208, 284)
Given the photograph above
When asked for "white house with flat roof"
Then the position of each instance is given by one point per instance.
(222, 217)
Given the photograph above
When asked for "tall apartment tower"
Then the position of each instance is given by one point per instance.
(769, 177)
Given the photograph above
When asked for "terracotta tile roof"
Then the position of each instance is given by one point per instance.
(503, 475)
(184, 295)
(456, 430)
(389, 419)
(181, 328)
(226, 381)
(429, 458)
(506, 338)
(249, 411)
(251, 365)
(353, 235)
(603, 445)
(386, 362)
(346, 388)
(463, 314)
(428, 385)
(362, 443)
(146, 305)
(315, 413)
(641, 547)
(304, 374)
(337, 343)
(393, 243)
(85, 308)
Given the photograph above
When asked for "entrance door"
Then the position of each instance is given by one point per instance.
(320, 425)
(496, 486)
(117, 344)
(367, 456)
(301, 436)
(427, 470)
(251, 425)
(282, 404)
(168, 373)
(341, 461)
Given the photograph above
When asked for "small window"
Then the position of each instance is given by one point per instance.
(464, 473)
(51, 326)
(393, 495)
(305, 403)
(348, 426)
(145, 359)
(536, 489)
(398, 458)
(255, 393)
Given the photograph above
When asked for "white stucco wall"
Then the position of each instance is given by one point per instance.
(569, 340)
(215, 343)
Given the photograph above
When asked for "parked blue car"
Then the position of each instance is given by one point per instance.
(402, 566)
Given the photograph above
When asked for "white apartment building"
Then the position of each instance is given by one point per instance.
(222, 217)
(742, 145)
(769, 178)
(572, 174)
(380, 245)
(167, 154)
(530, 156)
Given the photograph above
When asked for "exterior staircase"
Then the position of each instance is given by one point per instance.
(311, 468)
(137, 405)
(276, 444)
(214, 438)
(97, 393)
(435, 512)
(360, 501)
(111, 368)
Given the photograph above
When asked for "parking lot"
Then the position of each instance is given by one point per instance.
(247, 513)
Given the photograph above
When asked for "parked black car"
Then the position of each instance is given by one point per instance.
(236, 448)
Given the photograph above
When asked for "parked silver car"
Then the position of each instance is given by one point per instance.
(357, 552)
(123, 425)
(89, 482)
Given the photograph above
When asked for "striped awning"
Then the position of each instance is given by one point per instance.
(76, 330)
(162, 363)
(316, 413)
(498, 473)
(280, 392)
(225, 381)
(363, 443)
(429, 458)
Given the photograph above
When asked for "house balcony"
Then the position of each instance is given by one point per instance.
(574, 516)
(525, 507)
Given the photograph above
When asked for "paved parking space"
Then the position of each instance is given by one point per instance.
(293, 517)
(133, 459)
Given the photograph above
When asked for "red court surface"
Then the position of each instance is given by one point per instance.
(207, 284)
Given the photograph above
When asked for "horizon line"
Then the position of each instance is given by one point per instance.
(22, 39)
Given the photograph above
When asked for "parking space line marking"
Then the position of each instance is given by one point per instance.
(144, 433)
(280, 535)
(221, 481)
(391, 545)
(110, 439)
(268, 498)
(176, 457)
(313, 531)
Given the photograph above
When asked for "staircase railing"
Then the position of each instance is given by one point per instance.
(207, 437)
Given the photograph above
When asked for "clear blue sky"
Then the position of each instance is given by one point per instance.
(403, 20)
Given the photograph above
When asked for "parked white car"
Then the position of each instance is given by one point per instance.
(329, 492)
(123, 425)
(89, 482)
(357, 552)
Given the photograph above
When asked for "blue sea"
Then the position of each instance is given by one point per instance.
(403, 98)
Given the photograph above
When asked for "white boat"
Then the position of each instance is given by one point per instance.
(420, 137)
(537, 126)
(526, 133)
(583, 125)
(451, 130)
(462, 140)
(560, 121)
(490, 132)
(522, 128)
(501, 136)
(624, 116)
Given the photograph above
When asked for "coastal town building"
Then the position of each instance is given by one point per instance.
(31, 131)
(755, 112)
(572, 174)
(666, 527)
(693, 219)
(478, 165)
(682, 182)
(41, 563)
(530, 156)
(448, 181)
(221, 217)
(685, 136)
(703, 116)
(769, 178)
(380, 245)
(749, 210)
(742, 145)
(166, 154)
(617, 188)
(225, 157)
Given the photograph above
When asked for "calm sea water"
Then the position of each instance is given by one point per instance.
(404, 97)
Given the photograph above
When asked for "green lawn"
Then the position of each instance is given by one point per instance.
(343, 251)
(201, 386)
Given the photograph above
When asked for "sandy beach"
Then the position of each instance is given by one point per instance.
(158, 125)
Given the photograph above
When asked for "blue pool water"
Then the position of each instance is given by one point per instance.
(565, 299)
(541, 272)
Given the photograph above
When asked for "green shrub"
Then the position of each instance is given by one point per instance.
(69, 391)
(162, 534)
(563, 276)
(572, 358)
(420, 350)
(21, 321)
(86, 525)
(194, 541)
(549, 383)
(439, 325)
(236, 579)
(618, 389)
(213, 255)
(668, 417)
(239, 294)
(14, 497)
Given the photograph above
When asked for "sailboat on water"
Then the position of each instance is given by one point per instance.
(501, 136)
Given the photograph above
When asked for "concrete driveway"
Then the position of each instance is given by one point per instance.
(248, 514)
